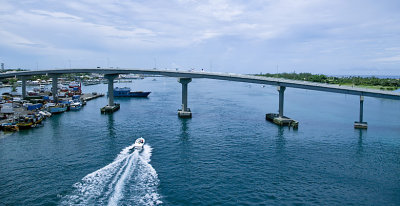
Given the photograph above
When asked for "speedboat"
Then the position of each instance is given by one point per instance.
(139, 143)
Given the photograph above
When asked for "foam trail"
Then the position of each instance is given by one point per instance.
(129, 179)
(117, 177)
(145, 182)
(117, 194)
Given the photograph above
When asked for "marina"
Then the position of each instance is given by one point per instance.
(17, 114)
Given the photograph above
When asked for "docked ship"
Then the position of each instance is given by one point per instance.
(126, 92)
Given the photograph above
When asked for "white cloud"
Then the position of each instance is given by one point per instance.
(59, 15)
(308, 33)
(389, 59)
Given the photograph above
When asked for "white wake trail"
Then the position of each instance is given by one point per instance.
(145, 182)
(117, 195)
(129, 179)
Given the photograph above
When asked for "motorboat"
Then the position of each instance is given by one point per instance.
(75, 105)
(139, 143)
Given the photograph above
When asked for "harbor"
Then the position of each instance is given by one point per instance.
(19, 113)
(48, 95)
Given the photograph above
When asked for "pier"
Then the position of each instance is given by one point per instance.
(185, 77)
(361, 124)
(111, 107)
(184, 112)
(279, 119)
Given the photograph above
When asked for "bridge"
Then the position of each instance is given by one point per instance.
(185, 77)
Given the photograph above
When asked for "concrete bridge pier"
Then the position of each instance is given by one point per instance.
(281, 91)
(279, 118)
(54, 84)
(360, 124)
(184, 112)
(111, 107)
(23, 86)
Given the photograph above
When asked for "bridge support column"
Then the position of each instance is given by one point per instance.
(281, 91)
(54, 84)
(185, 111)
(111, 107)
(279, 118)
(23, 86)
(360, 124)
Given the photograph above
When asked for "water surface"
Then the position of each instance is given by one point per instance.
(227, 154)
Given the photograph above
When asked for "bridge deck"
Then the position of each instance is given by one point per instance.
(222, 76)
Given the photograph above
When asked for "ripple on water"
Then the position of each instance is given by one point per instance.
(226, 154)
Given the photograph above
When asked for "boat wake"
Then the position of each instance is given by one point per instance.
(128, 180)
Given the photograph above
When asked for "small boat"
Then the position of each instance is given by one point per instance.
(126, 92)
(45, 113)
(139, 143)
(76, 105)
(25, 122)
(38, 119)
(9, 127)
(57, 109)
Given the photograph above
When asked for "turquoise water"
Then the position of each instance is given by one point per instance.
(227, 154)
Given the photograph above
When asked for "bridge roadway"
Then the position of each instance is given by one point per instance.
(186, 76)
(222, 76)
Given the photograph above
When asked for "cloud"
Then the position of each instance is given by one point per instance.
(305, 34)
(389, 59)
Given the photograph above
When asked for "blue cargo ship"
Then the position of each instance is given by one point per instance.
(126, 92)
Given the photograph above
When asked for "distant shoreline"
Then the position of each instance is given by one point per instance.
(367, 76)
(383, 82)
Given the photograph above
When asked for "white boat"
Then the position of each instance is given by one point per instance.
(45, 113)
(139, 143)
(75, 106)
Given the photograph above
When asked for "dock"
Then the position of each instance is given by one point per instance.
(91, 96)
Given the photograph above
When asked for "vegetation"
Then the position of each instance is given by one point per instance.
(366, 82)
(15, 70)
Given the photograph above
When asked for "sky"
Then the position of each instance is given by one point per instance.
(337, 37)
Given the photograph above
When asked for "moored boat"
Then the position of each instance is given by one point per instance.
(9, 127)
(75, 106)
(38, 119)
(45, 113)
(56, 109)
(25, 122)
